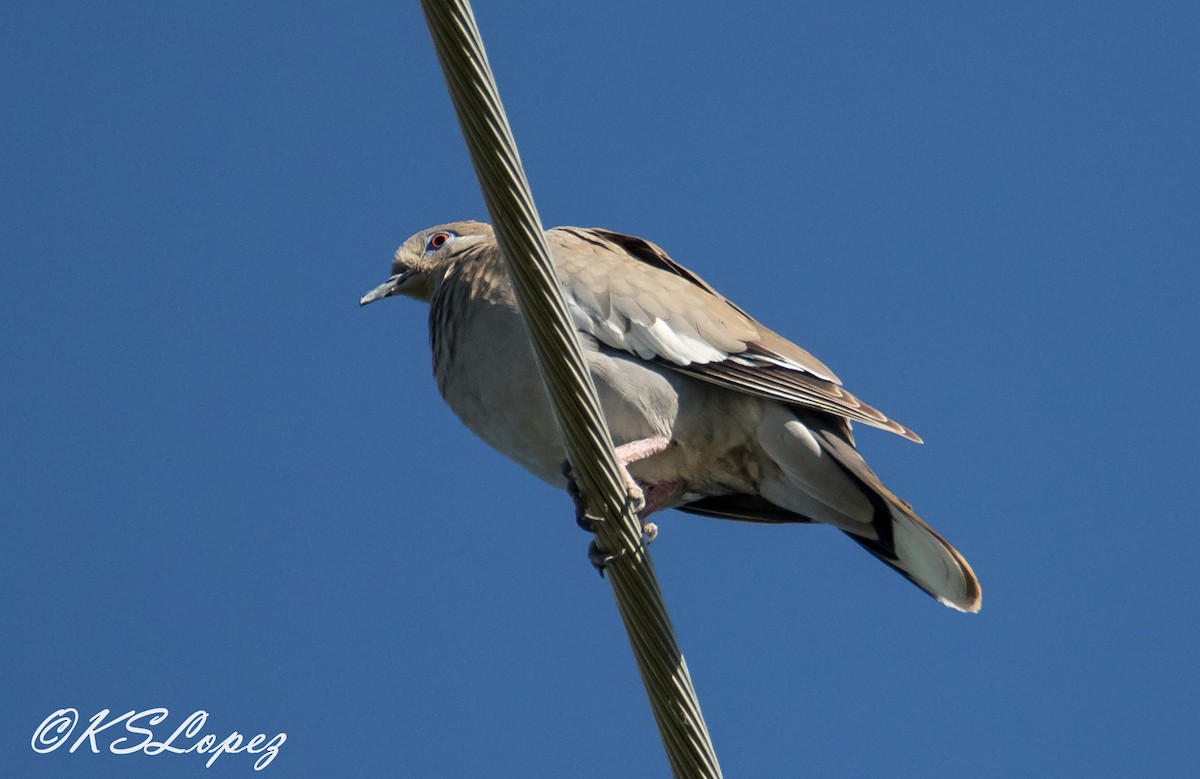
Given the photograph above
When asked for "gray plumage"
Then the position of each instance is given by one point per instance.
(754, 427)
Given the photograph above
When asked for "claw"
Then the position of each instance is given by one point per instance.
(649, 533)
(586, 521)
(601, 559)
(637, 501)
(635, 495)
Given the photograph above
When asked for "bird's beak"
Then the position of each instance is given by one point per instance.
(385, 290)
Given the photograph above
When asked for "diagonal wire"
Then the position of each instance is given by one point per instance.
(573, 395)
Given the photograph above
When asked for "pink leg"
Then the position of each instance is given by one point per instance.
(646, 502)
(640, 450)
(632, 452)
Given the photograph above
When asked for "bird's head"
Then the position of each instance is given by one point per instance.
(425, 257)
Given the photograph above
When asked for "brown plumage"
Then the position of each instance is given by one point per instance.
(751, 426)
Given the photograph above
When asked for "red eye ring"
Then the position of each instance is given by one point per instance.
(438, 240)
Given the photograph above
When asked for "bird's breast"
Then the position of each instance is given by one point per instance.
(486, 373)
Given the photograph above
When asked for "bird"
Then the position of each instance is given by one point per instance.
(712, 413)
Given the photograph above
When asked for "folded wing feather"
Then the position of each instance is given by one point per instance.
(630, 295)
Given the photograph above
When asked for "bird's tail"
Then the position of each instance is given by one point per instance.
(921, 555)
(825, 479)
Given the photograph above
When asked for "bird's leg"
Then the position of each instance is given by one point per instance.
(639, 450)
(654, 496)
(644, 501)
(626, 454)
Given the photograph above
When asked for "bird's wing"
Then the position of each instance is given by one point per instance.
(628, 294)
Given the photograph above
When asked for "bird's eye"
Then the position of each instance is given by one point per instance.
(437, 241)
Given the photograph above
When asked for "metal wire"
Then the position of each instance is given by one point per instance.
(573, 395)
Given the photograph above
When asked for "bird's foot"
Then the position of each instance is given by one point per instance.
(601, 559)
(586, 521)
(642, 501)
(635, 497)
(637, 500)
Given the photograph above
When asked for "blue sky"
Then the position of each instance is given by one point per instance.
(226, 488)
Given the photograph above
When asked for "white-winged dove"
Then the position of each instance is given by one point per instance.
(712, 413)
